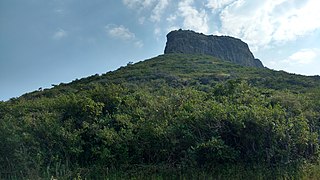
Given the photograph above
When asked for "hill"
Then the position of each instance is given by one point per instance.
(174, 112)
(187, 70)
(223, 47)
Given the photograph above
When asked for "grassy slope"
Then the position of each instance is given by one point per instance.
(189, 70)
(176, 72)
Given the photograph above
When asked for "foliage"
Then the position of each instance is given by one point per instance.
(176, 111)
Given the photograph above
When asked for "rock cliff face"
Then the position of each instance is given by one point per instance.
(223, 47)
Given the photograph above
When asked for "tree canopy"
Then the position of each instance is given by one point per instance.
(174, 110)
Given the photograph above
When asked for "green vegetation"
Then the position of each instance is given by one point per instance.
(173, 115)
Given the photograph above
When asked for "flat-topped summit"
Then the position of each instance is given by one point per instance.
(223, 47)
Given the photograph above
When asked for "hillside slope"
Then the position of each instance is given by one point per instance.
(184, 70)
(175, 110)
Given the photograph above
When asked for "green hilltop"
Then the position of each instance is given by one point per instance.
(165, 116)
(187, 70)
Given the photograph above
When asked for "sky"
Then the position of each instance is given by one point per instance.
(46, 42)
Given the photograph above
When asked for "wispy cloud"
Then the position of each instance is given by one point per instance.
(218, 4)
(172, 18)
(193, 18)
(303, 56)
(155, 8)
(59, 34)
(138, 44)
(123, 33)
(138, 4)
(304, 61)
(150, 11)
(263, 22)
(119, 32)
(259, 23)
(158, 10)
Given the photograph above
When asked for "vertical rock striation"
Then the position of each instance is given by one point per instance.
(223, 47)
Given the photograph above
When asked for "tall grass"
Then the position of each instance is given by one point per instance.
(231, 171)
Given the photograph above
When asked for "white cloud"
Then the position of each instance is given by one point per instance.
(123, 33)
(264, 25)
(151, 10)
(303, 56)
(172, 28)
(193, 19)
(119, 32)
(138, 4)
(217, 4)
(299, 21)
(172, 18)
(158, 10)
(261, 23)
(304, 61)
(156, 7)
(59, 34)
(138, 44)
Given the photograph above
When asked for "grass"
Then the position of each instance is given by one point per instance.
(231, 171)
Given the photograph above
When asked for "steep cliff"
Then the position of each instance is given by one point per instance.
(223, 47)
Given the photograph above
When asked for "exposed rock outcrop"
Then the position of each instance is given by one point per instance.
(223, 47)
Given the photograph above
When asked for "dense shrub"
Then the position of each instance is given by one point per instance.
(156, 122)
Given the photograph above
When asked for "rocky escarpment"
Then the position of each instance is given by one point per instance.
(223, 47)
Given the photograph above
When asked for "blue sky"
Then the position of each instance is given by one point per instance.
(44, 42)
